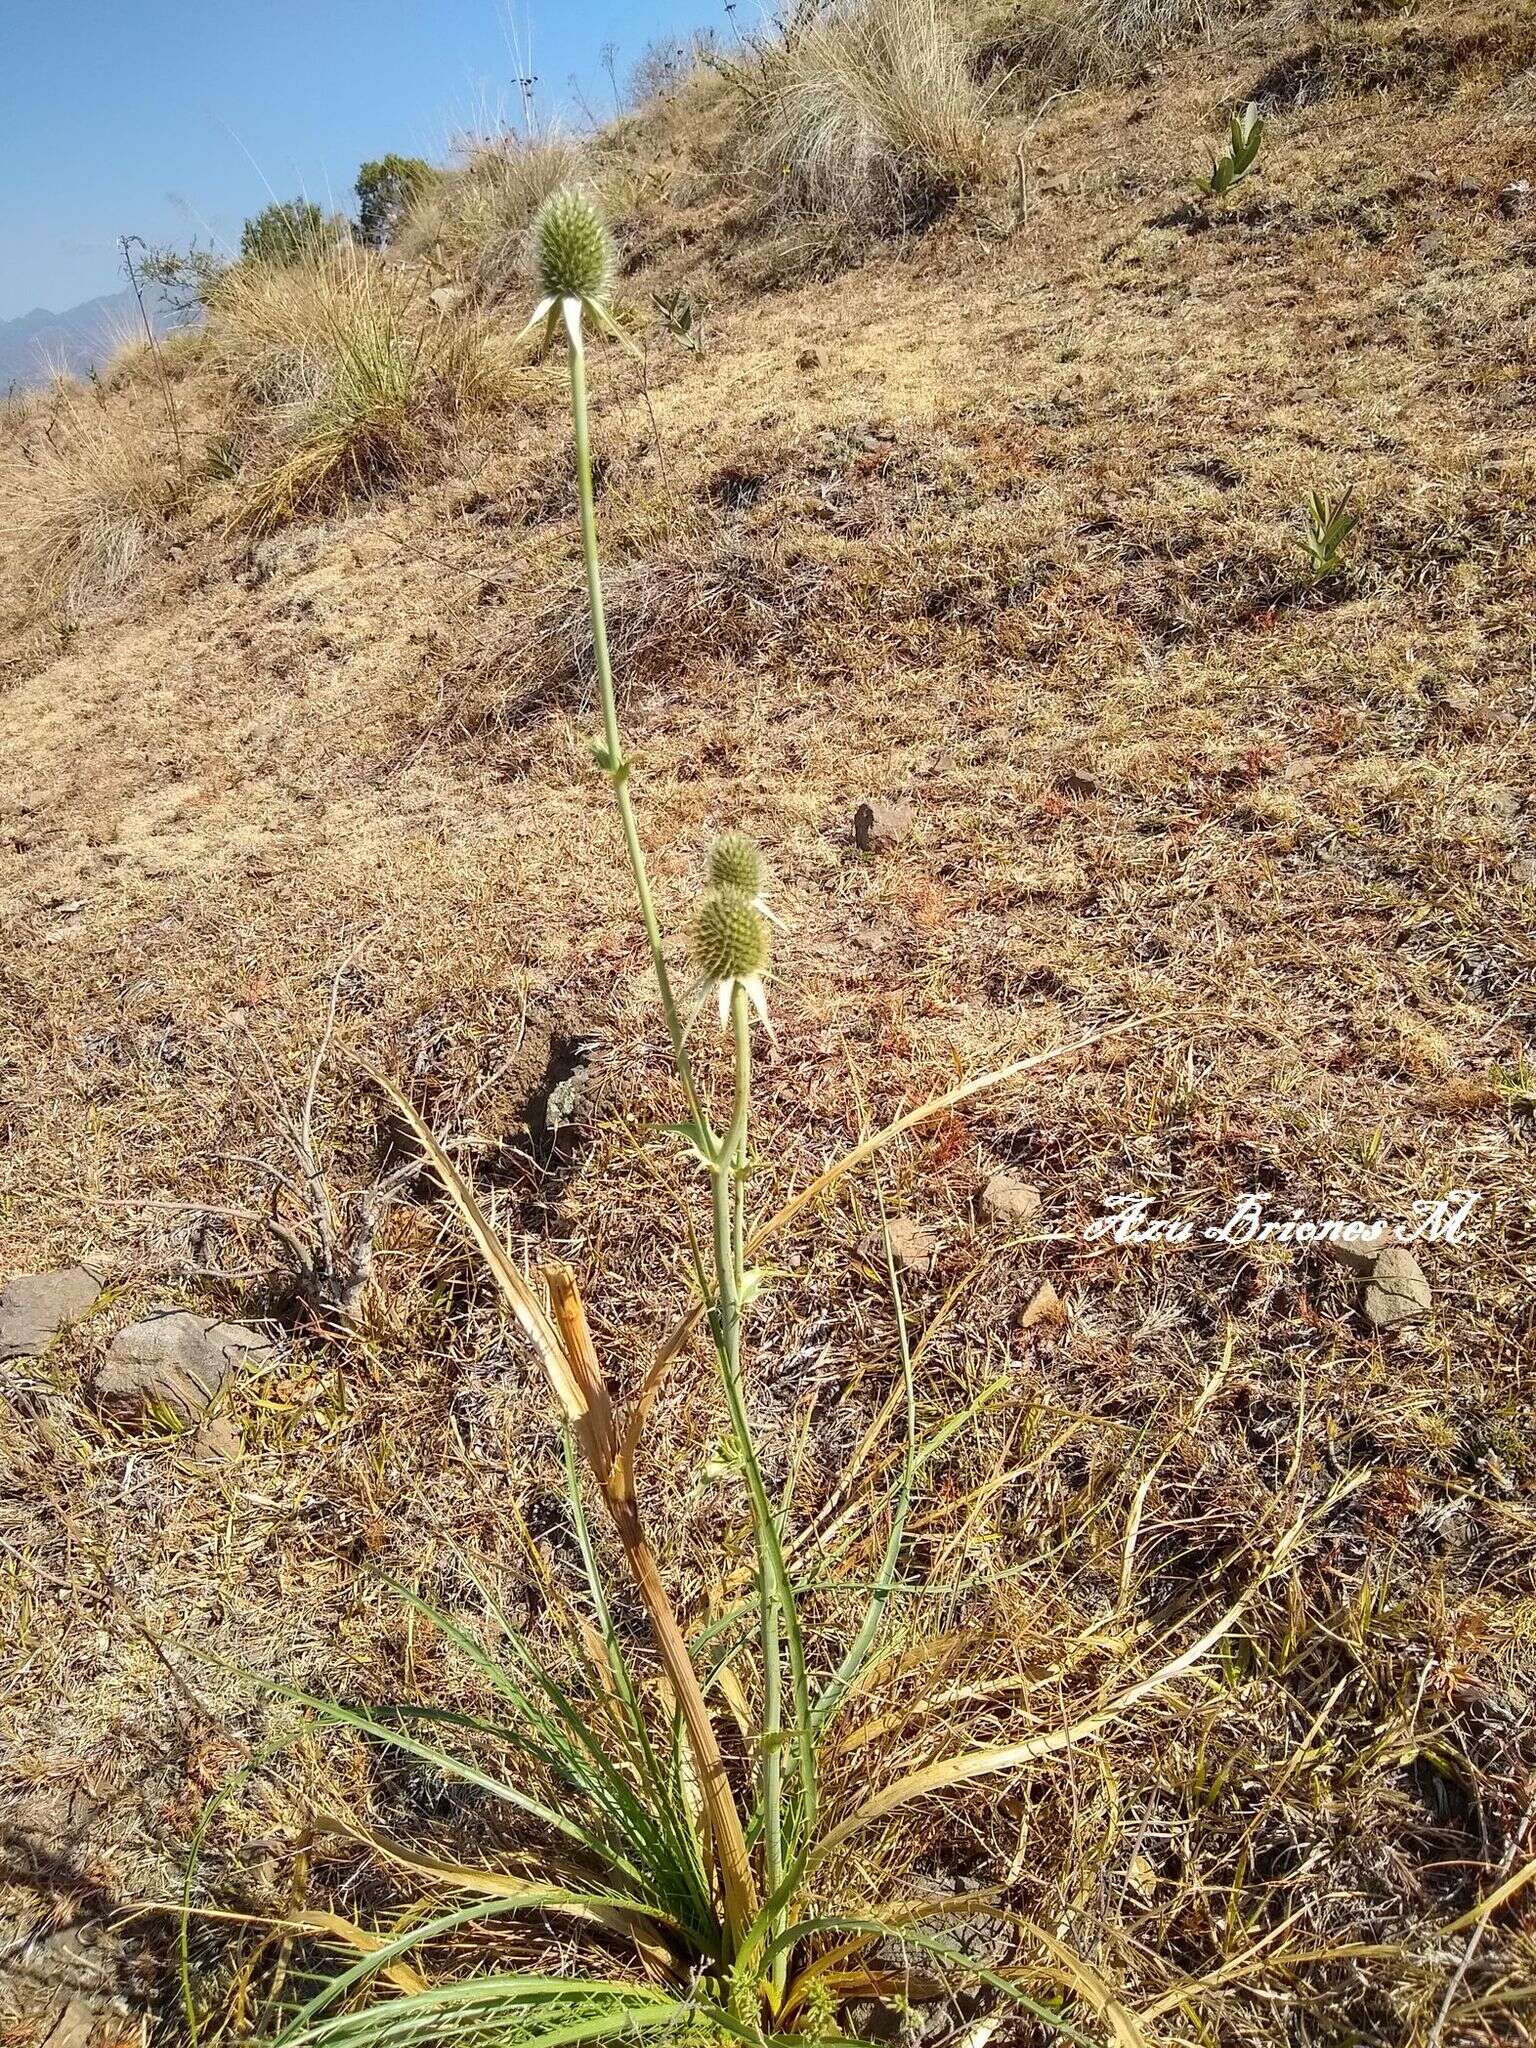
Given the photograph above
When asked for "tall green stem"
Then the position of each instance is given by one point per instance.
(725, 1156)
(779, 1602)
(615, 763)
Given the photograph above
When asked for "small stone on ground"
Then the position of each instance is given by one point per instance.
(1360, 1254)
(1008, 1200)
(880, 826)
(1397, 1291)
(34, 1307)
(173, 1360)
(913, 1248)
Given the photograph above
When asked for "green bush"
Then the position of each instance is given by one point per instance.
(289, 230)
(387, 188)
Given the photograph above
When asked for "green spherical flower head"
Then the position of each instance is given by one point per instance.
(730, 937)
(572, 248)
(735, 862)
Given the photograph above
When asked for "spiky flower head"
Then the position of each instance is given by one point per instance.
(572, 248)
(730, 937)
(730, 949)
(736, 862)
(571, 257)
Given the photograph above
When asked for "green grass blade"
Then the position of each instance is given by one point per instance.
(478, 1910)
(513, 2011)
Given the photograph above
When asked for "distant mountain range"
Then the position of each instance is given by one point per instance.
(35, 346)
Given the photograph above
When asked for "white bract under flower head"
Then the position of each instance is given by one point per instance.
(572, 260)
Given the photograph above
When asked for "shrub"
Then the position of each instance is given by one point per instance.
(345, 380)
(291, 231)
(96, 485)
(186, 279)
(872, 113)
(387, 188)
(473, 221)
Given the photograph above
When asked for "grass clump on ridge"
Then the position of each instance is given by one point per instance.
(1081, 42)
(871, 113)
(345, 379)
(97, 484)
(682, 1846)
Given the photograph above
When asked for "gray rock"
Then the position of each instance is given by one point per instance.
(1397, 1292)
(1010, 1201)
(880, 825)
(1361, 1253)
(73, 2025)
(914, 1248)
(172, 1360)
(35, 1306)
(216, 1441)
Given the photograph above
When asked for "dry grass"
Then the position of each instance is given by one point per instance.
(86, 496)
(346, 380)
(872, 114)
(1009, 528)
(1075, 42)
(473, 222)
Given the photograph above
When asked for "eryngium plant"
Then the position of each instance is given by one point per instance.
(1328, 524)
(1241, 153)
(690, 1896)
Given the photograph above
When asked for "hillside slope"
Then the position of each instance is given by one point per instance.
(999, 521)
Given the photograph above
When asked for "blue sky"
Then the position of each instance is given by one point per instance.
(169, 118)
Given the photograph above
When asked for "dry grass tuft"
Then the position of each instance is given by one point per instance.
(345, 380)
(93, 488)
(472, 221)
(873, 114)
(1075, 42)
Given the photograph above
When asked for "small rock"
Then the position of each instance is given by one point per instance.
(1010, 1201)
(73, 2025)
(174, 1360)
(880, 825)
(913, 1248)
(215, 1441)
(1517, 198)
(35, 1306)
(1360, 1254)
(1397, 1291)
(1078, 782)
